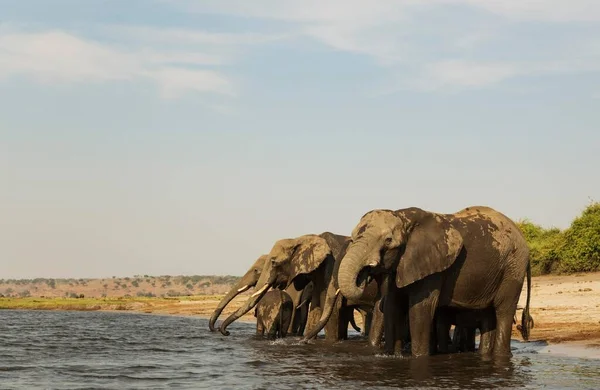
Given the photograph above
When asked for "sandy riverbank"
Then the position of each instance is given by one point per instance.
(565, 308)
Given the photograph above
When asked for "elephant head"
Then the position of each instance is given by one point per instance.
(411, 243)
(290, 260)
(247, 281)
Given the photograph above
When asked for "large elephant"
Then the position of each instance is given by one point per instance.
(473, 259)
(274, 314)
(244, 283)
(298, 261)
(248, 281)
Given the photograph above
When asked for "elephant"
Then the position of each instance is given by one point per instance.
(298, 261)
(471, 259)
(274, 314)
(249, 280)
(246, 282)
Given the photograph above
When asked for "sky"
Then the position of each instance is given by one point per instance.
(185, 137)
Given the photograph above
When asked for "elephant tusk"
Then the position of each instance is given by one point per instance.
(260, 291)
(337, 292)
(302, 303)
(240, 290)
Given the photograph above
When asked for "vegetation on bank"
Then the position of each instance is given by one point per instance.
(90, 304)
(575, 249)
(137, 286)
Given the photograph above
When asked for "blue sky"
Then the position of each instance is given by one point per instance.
(185, 137)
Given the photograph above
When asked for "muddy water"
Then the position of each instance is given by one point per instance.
(93, 350)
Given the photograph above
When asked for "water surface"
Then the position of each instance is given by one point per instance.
(100, 350)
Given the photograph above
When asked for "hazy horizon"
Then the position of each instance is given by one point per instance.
(186, 137)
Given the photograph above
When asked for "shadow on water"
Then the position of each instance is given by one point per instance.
(355, 364)
(68, 350)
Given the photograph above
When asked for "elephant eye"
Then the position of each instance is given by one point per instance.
(388, 240)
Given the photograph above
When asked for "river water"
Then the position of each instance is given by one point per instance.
(100, 350)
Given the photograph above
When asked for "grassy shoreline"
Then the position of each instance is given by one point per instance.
(201, 305)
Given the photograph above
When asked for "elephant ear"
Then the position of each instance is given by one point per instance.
(309, 254)
(432, 246)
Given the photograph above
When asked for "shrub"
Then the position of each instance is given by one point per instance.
(544, 247)
(581, 251)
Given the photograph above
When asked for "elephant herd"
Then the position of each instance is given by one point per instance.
(411, 274)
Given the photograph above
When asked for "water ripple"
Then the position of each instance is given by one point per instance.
(80, 350)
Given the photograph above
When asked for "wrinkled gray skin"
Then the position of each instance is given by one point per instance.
(300, 260)
(474, 259)
(274, 314)
(248, 281)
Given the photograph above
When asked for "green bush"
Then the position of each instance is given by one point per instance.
(581, 251)
(576, 249)
(544, 247)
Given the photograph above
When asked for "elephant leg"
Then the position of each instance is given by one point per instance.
(469, 341)
(376, 327)
(314, 315)
(260, 329)
(442, 327)
(456, 337)
(332, 328)
(503, 333)
(391, 316)
(422, 306)
(367, 322)
(487, 334)
(363, 317)
(293, 326)
(303, 317)
(344, 322)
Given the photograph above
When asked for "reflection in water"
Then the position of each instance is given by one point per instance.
(64, 350)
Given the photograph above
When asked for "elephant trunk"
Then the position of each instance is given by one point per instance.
(234, 292)
(350, 269)
(330, 303)
(249, 305)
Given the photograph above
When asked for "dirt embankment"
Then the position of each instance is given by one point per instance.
(564, 308)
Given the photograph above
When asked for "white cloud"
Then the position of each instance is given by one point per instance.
(461, 73)
(180, 37)
(415, 35)
(540, 10)
(366, 12)
(174, 81)
(57, 57)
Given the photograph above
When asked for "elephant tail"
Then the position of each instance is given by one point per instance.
(526, 319)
